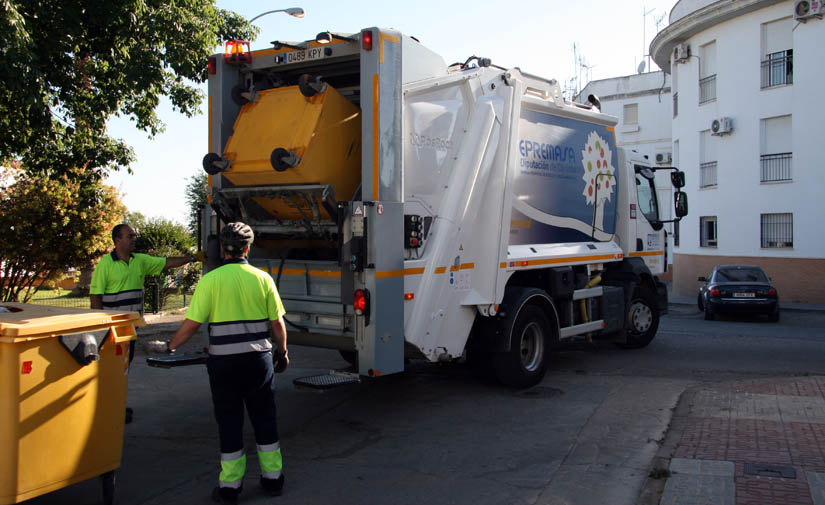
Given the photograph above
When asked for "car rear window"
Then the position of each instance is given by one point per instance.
(740, 275)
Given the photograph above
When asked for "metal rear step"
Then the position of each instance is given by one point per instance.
(323, 382)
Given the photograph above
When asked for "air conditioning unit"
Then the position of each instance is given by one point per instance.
(681, 52)
(803, 10)
(721, 126)
(662, 158)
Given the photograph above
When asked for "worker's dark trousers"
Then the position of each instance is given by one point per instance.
(238, 380)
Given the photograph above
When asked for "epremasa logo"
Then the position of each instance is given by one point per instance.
(598, 175)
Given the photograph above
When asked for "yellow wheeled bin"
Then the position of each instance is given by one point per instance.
(64, 379)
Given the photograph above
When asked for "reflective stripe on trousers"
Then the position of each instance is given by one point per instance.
(233, 468)
(127, 301)
(271, 461)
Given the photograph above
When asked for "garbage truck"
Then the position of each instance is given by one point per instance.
(409, 208)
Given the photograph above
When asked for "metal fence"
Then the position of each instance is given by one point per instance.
(153, 302)
(776, 167)
(707, 174)
(707, 89)
(777, 70)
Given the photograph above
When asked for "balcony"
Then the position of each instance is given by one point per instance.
(776, 167)
(777, 70)
(707, 89)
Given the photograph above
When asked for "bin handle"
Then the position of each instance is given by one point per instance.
(117, 338)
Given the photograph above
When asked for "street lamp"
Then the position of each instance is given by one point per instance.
(292, 11)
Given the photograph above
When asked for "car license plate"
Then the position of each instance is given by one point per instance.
(310, 54)
(743, 294)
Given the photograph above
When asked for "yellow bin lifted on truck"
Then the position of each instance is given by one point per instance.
(61, 421)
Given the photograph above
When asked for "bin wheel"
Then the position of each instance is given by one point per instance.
(107, 482)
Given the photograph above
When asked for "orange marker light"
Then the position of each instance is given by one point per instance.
(525, 263)
(409, 296)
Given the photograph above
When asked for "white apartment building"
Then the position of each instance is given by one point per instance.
(748, 109)
(642, 104)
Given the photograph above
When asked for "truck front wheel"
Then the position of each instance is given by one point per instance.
(525, 364)
(642, 319)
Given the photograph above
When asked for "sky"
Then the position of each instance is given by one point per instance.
(611, 39)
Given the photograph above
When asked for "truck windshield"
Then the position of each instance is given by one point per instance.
(646, 192)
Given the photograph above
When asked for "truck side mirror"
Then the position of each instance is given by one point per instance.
(677, 178)
(680, 201)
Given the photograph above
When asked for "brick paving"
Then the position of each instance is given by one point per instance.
(774, 427)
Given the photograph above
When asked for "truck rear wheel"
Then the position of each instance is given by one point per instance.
(642, 319)
(525, 364)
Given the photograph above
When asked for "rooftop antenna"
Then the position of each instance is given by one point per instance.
(641, 68)
(645, 12)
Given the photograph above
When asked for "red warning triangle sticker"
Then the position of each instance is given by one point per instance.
(358, 211)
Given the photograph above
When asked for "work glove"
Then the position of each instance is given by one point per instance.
(281, 361)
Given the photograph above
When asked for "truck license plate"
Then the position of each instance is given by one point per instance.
(313, 53)
(744, 295)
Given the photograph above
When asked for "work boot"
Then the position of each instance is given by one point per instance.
(129, 414)
(226, 495)
(273, 487)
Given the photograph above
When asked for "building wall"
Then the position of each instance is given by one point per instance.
(740, 197)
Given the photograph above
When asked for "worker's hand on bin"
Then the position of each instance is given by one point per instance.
(281, 359)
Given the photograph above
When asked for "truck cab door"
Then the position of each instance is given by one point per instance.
(650, 236)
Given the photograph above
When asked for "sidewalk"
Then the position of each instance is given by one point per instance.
(751, 442)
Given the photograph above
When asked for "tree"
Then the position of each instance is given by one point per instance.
(49, 224)
(161, 237)
(69, 65)
(196, 199)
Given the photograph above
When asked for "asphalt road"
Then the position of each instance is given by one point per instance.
(434, 434)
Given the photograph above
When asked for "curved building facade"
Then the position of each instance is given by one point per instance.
(748, 104)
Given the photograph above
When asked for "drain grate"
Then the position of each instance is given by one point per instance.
(762, 470)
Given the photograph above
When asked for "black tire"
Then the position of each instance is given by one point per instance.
(276, 159)
(208, 163)
(238, 97)
(525, 364)
(699, 303)
(709, 316)
(642, 319)
(350, 357)
(305, 87)
(774, 316)
(107, 483)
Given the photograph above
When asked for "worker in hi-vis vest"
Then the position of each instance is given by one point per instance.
(245, 318)
(117, 282)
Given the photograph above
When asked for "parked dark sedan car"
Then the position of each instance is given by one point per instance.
(738, 288)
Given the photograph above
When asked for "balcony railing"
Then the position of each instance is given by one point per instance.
(675, 104)
(776, 167)
(707, 89)
(707, 174)
(777, 70)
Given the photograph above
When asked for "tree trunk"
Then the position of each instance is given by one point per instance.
(85, 280)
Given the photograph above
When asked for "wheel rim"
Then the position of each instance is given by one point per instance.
(532, 347)
(641, 317)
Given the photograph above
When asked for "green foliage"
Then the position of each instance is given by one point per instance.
(161, 237)
(196, 198)
(70, 65)
(49, 224)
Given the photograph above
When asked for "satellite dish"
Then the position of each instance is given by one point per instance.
(641, 68)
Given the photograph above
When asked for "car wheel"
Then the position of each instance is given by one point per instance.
(642, 319)
(699, 302)
(709, 316)
(774, 316)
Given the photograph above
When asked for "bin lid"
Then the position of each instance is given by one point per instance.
(38, 321)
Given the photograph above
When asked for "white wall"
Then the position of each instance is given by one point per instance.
(740, 197)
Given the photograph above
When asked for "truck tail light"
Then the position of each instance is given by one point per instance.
(237, 51)
(361, 304)
(212, 66)
(366, 40)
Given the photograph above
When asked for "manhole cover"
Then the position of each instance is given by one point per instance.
(762, 470)
(539, 392)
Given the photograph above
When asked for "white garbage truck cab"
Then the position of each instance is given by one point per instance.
(412, 209)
